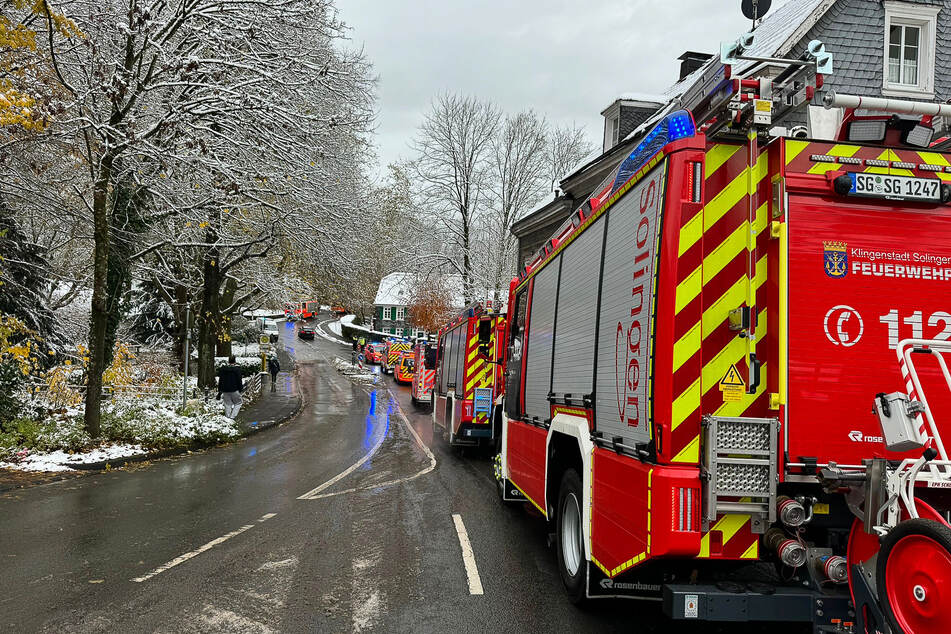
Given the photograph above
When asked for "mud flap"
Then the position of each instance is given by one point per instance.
(643, 584)
(510, 493)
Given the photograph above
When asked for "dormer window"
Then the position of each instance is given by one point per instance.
(909, 55)
(615, 129)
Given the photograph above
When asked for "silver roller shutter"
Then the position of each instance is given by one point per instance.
(627, 299)
(576, 314)
(459, 357)
(538, 360)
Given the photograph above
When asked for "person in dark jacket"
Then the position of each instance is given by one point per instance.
(230, 386)
(273, 366)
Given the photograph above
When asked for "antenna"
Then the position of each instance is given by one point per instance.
(755, 9)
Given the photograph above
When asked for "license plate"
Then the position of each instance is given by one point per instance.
(895, 187)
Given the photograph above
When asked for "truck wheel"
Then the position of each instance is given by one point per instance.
(569, 537)
(914, 576)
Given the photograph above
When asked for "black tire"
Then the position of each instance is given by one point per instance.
(569, 494)
(936, 531)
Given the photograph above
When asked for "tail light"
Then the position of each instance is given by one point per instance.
(694, 181)
(687, 505)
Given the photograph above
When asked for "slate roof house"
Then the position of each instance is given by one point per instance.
(881, 48)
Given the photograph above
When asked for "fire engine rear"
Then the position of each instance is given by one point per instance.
(424, 378)
(693, 361)
(468, 371)
(391, 354)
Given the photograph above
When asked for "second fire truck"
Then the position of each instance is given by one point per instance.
(467, 386)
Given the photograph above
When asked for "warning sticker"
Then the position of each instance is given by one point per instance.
(691, 606)
(732, 385)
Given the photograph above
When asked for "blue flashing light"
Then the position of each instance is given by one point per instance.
(680, 125)
(675, 126)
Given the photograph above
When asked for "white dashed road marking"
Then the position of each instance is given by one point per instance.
(468, 558)
(215, 542)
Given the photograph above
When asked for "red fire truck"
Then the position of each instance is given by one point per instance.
(425, 377)
(309, 309)
(391, 354)
(468, 377)
(694, 358)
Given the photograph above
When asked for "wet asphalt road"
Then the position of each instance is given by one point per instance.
(373, 549)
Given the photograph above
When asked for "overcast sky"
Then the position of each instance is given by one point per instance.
(567, 59)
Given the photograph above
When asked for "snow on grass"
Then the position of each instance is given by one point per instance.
(62, 461)
(130, 426)
(351, 371)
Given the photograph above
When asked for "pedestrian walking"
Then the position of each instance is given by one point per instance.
(273, 366)
(356, 350)
(230, 386)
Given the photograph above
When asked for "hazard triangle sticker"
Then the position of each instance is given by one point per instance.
(732, 385)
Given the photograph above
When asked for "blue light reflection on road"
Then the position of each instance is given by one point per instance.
(371, 433)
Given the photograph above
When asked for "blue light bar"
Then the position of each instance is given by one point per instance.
(675, 126)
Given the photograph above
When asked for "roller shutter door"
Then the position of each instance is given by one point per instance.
(576, 314)
(622, 399)
(538, 359)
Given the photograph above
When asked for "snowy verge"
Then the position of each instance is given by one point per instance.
(130, 427)
(61, 461)
(363, 375)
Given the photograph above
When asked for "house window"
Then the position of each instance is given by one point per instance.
(400, 314)
(615, 129)
(909, 49)
(903, 40)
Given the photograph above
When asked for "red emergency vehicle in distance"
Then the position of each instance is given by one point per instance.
(391, 354)
(373, 352)
(308, 309)
(425, 377)
(405, 368)
(693, 358)
(468, 378)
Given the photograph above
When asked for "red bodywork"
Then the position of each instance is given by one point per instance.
(820, 364)
(424, 378)
(374, 353)
(405, 368)
(308, 309)
(464, 366)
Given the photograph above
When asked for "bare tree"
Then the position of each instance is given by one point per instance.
(567, 146)
(518, 182)
(453, 146)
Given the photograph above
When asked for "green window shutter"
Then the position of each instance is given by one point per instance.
(393, 313)
(379, 312)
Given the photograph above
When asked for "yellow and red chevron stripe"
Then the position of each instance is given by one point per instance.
(721, 266)
(714, 252)
(479, 371)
